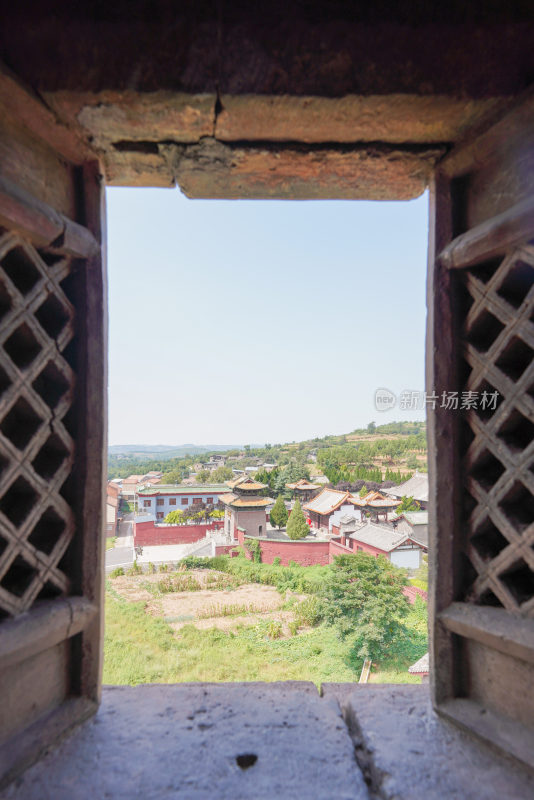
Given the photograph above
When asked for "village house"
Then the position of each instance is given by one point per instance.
(382, 540)
(129, 486)
(161, 500)
(112, 507)
(415, 524)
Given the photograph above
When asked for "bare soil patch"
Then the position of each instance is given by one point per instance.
(225, 609)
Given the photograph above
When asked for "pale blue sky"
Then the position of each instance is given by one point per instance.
(260, 321)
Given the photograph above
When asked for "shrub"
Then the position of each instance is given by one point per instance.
(254, 548)
(163, 567)
(117, 572)
(309, 612)
(274, 629)
(178, 583)
(151, 567)
(277, 561)
(293, 627)
(135, 569)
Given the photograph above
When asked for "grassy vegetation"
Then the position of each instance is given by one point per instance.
(110, 542)
(307, 580)
(141, 648)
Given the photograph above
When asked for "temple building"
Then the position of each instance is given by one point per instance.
(245, 508)
(325, 504)
(303, 490)
(416, 487)
(375, 504)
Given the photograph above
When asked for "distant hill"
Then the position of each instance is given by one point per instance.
(147, 452)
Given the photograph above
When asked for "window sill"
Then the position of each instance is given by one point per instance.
(188, 740)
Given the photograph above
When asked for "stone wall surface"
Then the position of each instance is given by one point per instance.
(249, 741)
(258, 741)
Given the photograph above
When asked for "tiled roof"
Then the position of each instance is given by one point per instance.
(415, 517)
(239, 480)
(378, 536)
(327, 501)
(373, 500)
(250, 486)
(416, 487)
(348, 519)
(236, 501)
(302, 484)
(216, 488)
(420, 667)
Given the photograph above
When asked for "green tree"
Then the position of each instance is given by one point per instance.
(279, 515)
(297, 527)
(363, 599)
(174, 517)
(203, 475)
(371, 428)
(364, 491)
(221, 474)
(412, 462)
(407, 504)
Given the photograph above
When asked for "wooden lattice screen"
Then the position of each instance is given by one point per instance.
(52, 441)
(498, 470)
(36, 446)
(481, 345)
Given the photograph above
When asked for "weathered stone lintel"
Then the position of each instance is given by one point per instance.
(212, 169)
(390, 118)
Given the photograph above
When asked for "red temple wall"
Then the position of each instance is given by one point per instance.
(148, 533)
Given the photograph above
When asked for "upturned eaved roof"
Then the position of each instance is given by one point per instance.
(239, 501)
(373, 500)
(246, 483)
(416, 487)
(327, 501)
(379, 536)
(421, 667)
(250, 486)
(302, 484)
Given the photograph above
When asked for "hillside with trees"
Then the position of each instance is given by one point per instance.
(377, 453)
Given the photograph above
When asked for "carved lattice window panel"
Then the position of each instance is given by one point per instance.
(36, 446)
(498, 355)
